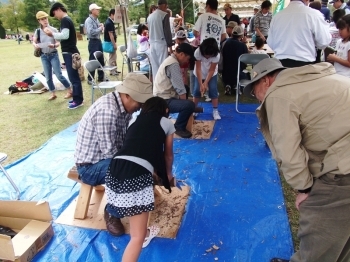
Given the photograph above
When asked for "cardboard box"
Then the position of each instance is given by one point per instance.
(32, 222)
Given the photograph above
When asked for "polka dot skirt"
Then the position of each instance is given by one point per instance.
(131, 196)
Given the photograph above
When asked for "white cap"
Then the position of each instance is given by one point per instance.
(256, 7)
(94, 6)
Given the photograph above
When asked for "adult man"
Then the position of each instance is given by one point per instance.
(251, 28)
(102, 131)
(169, 85)
(295, 32)
(110, 36)
(160, 37)
(68, 38)
(93, 30)
(262, 20)
(210, 24)
(339, 4)
(325, 10)
(305, 124)
(229, 16)
(229, 28)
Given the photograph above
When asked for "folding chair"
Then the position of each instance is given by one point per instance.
(99, 56)
(131, 62)
(248, 59)
(3, 157)
(91, 66)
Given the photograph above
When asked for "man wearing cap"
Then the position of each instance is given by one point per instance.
(169, 85)
(325, 10)
(232, 49)
(295, 32)
(304, 116)
(339, 4)
(102, 130)
(210, 24)
(251, 28)
(160, 37)
(68, 38)
(229, 16)
(229, 28)
(93, 30)
(262, 20)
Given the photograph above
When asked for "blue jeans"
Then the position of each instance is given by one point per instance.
(94, 174)
(51, 61)
(212, 86)
(96, 45)
(184, 107)
(73, 78)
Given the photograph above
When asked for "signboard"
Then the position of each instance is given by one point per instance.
(118, 15)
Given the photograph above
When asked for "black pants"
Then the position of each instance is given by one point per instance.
(290, 63)
(96, 45)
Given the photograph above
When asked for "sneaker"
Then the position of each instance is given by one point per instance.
(228, 90)
(70, 102)
(207, 99)
(74, 105)
(216, 115)
(183, 133)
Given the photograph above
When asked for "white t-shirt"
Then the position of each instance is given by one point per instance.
(256, 51)
(165, 123)
(342, 52)
(205, 63)
(210, 25)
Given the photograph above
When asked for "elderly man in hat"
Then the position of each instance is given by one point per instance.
(251, 27)
(93, 30)
(102, 131)
(229, 16)
(304, 116)
(68, 38)
(160, 37)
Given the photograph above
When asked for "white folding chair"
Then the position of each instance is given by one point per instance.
(99, 56)
(91, 66)
(3, 157)
(131, 62)
(248, 59)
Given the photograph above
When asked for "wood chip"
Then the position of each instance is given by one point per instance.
(208, 250)
(216, 247)
(216, 259)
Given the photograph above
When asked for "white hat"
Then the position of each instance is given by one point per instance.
(94, 6)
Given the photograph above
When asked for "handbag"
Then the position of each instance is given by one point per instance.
(131, 51)
(107, 47)
(37, 51)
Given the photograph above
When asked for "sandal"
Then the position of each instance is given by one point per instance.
(68, 95)
(53, 97)
(153, 231)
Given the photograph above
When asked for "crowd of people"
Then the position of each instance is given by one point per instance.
(311, 144)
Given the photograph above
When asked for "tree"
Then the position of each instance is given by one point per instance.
(31, 7)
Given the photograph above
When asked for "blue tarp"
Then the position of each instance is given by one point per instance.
(236, 198)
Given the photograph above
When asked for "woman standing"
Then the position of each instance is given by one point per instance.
(49, 56)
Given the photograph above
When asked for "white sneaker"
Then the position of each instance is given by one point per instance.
(216, 115)
(207, 99)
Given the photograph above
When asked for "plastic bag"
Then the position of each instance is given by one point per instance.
(131, 51)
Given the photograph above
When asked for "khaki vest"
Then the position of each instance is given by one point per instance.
(162, 85)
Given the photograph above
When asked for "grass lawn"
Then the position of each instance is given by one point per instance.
(29, 120)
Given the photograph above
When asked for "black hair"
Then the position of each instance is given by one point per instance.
(112, 12)
(259, 43)
(152, 8)
(213, 4)
(140, 28)
(344, 22)
(337, 14)
(266, 4)
(315, 5)
(210, 47)
(155, 104)
(181, 28)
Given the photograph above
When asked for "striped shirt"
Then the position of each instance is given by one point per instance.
(102, 130)
(262, 22)
(93, 30)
